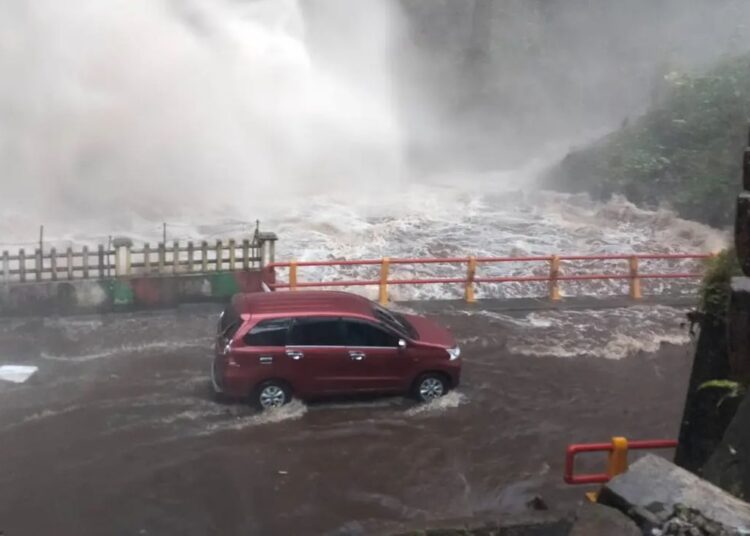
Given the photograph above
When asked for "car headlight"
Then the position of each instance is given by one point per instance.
(454, 353)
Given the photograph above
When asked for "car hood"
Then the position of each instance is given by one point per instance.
(430, 332)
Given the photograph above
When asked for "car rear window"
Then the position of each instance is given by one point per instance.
(269, 333)
(229, 322)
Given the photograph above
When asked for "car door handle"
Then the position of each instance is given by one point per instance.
(295, 355)
(357, 356)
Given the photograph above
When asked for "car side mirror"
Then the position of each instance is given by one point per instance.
(402, 344)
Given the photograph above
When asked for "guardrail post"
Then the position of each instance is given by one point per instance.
(147, 258)
(6, 267)
(219, 256)
(100, 258)
(22, 265)
(232, 254)
(618, 457)
(635, 281)
(70, 262)
(384, 269)
(554, 274)
(175, 257)
(162, 256)
(204, 256)
(118, 270)
(39, 268)
(53, 263)
(85, 262)
(470, 276)
(191, 256)
(128, 260)
(293, 275)
(246, 254)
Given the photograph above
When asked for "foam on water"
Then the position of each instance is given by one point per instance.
(296, 409)
(438, 406)
(127, 349)
(608, 333)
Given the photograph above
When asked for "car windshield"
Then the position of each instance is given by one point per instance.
(396, 321)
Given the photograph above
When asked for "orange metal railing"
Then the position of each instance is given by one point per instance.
(617, 463)
(618, 458)
(553, 275)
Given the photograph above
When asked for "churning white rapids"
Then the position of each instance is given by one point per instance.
(472, 219)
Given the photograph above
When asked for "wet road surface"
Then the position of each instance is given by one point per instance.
(117, 432)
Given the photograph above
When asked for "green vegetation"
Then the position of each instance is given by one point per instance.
(715, 288)
(733, 389)
(686, 151)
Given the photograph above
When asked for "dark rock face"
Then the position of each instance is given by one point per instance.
(739, 330)
(654, 491)
(597, 520)
(742, 231)
(729, 467)
(704, 420)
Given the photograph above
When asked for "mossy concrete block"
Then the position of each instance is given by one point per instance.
(653, 481)
(742, 231)
(738, 321)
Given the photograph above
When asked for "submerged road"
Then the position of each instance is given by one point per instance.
(117, 432)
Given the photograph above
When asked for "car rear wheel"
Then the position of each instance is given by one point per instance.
(430, 386)
(272, 394)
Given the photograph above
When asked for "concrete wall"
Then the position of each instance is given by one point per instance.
(83, 296)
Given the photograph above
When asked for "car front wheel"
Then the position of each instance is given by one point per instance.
(272, 394)
(430, 386)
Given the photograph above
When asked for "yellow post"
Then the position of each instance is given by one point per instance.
(204, 257)
(635, 281)
(554, 273)
(384, 269)
(219, 256)
(175, 257)
(293, 275)
(470, 276)
(618, 458)
(128, 261)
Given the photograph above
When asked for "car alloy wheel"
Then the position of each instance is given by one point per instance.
(272, 395)
(431, 388)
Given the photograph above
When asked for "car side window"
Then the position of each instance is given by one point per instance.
(269, 333)
(316, 332)
(363, 334)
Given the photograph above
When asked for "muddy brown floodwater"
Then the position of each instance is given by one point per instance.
(117, 434)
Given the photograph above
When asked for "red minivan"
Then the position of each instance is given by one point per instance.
(277, 345)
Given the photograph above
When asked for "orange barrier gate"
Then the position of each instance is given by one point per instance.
(618, 459)
(554, 277)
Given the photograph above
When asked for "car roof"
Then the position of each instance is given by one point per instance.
(291, 303)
